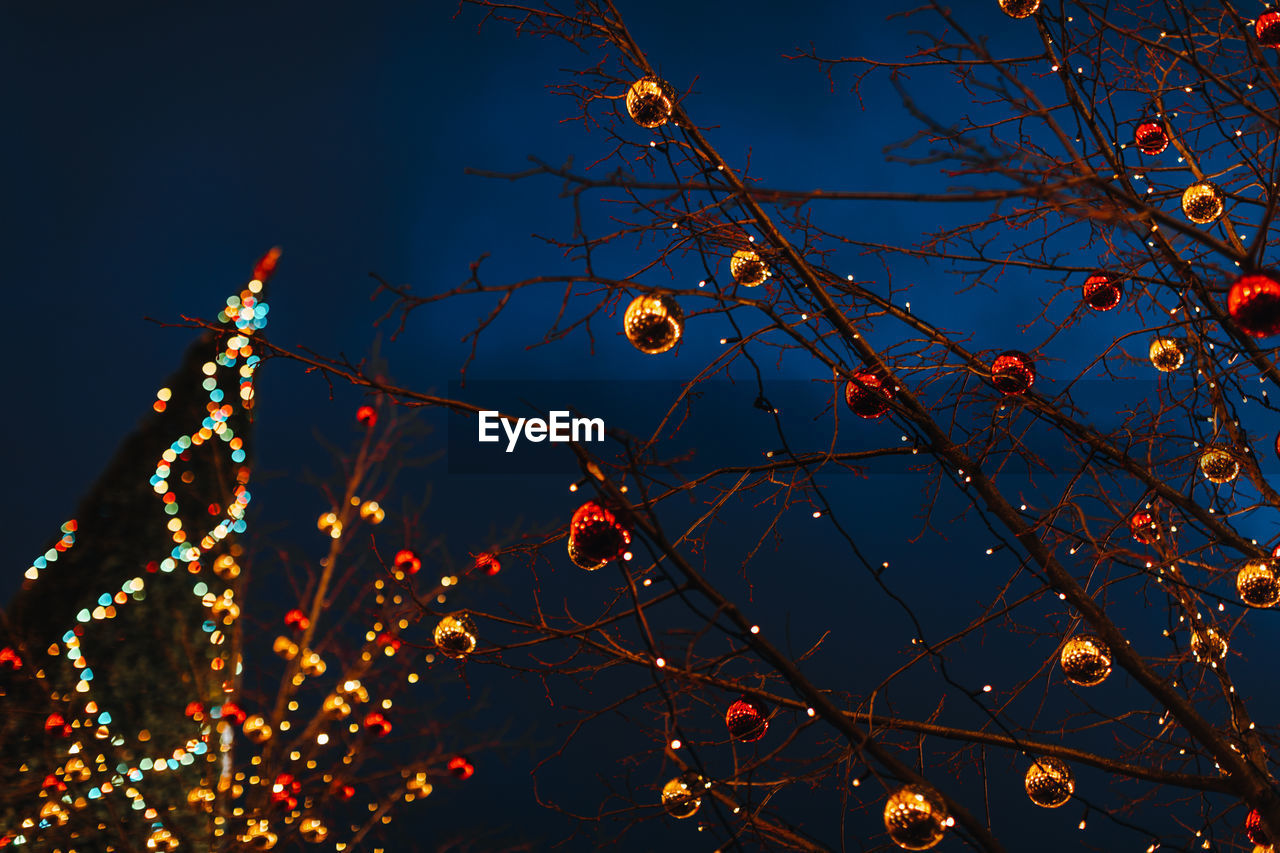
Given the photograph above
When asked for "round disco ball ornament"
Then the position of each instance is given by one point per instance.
(916, 817)
(1049, 782)
(596, 537)
(650, 102)
(747, 268)
(1219, 464)
(653, 323)
(867, 395)
(1257, 584)
(747, 720)
(1255, 830)
(1150, 138)
(1086, 660)
(1267, 29)
(1166, 354)
(1013, 372)
(682, 796)
(1208, 645)
(1102, 291)
(1144, 527)
(1019, 8)
(455, 635)
(1254, 303)
(1202, 202)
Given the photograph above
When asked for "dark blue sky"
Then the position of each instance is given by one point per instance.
(156, 151)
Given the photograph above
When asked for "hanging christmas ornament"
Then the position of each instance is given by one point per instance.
(1102, 291)
(329, 523)
(1166, 354)
(650, 102)
(1267, 29)
(916, 817)
(1208, 645)
(1257, 584)
(342, 790)
(161, 839)
(419, 785)
(233, 713)
(1150, 138)
(461, 767)
(1254, 303)
(366, 415)
(1049, 782)
(372, 512)
(653, 322)
(311, 829)
(202, 798)
(1019, 8)
(285, 791)
(1085, 660)
(337, 706)
(285, 647)
(1013, 372)
(226, 567)
(596, 537)
(258, 836)
(56, 724)
(1144, 527)
(256, 729)
(1219, 464)
(1253, 823)
(747, 719)
(312, 664)
(747, 268)
(867, 395)
(682, 796)
(455, 635)
(406, 562)
(297, 620)
(487, 563)
(1202, 202)
(376, 724)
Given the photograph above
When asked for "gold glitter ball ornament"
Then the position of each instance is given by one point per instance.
(1049, 782)
(653, 322)
(226, 567)
(682, 796)
(747, 268)
(916, 817)
(257, 729)
(312, 830)
(1202, 202)
(1166, 354)
(650, 102)
(1085, 660)
(1257, 584)
(1219, 464)
(455, 635)
(1019, 8)
(1208, 645)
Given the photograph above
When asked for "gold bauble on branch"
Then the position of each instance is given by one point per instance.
(1202, 202)
(1257, 584)
(916, 817)
(1166, 354)
(650, 102)
(682, 796)
(226, 567)
(1219, 464)
(1208, 645)
(419, 785)
(1049, 782)
(653, 322)
(257, 729)
(1019, 8)
(1086, 660)
(747, 268)
(285, 647)
(313, 830)
(455, 635)
(258, 836)
(312, 664)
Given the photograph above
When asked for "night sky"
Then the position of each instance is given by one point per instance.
(156, 150)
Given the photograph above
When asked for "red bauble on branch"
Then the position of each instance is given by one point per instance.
(596, 537)
(462, 768)
(1255, 830)
(376, 724)
(366, 415)
(1254, 303)
(406, 561)
(1013, 372)
(297, 620)
(867, 395)
(56, 724)
(1150, 138)
(1102, 291)
(747, 720)
(1268, 29)
(1144, 527)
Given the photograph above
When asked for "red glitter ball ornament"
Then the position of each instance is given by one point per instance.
(232, 711)
(596, 537)
(366, 415)
(376, 724)
(1255, 830)
(1254, 303)
(1144, 528)
(297, 620)
(406, 561)
(867, 395)
(1268, 29)
(1013, 372)
(747, 720)
(462, 768)
(1150, 138)
(1102, 291)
